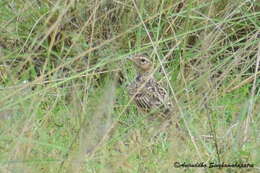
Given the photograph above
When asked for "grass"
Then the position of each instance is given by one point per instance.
(63, 76)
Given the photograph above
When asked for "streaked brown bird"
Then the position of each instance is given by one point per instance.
(145, 91)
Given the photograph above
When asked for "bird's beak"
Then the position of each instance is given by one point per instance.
(130, 58)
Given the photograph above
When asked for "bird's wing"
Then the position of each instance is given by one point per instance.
(143, 101)
(157, 93)
(150, 96)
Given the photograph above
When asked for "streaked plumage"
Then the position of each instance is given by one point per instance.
(146, 91)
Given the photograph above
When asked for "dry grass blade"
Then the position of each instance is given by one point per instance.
(95, 128)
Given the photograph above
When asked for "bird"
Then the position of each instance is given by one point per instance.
(145, 91)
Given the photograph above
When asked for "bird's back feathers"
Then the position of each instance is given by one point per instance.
(149, 95)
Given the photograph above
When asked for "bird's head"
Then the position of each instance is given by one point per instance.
(142, 63)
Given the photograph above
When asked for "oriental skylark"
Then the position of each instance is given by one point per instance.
(145, 91)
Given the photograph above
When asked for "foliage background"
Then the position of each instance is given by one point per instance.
(63, 77)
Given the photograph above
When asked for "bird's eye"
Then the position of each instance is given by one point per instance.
(143, 60)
